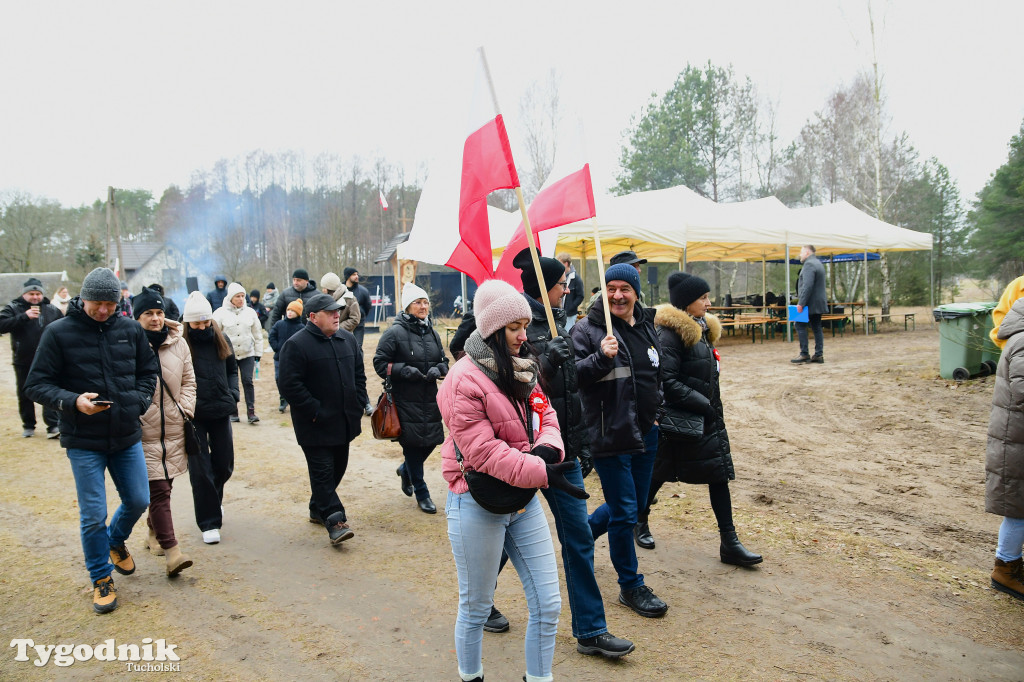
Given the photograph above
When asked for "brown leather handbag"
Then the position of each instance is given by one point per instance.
(384, 420)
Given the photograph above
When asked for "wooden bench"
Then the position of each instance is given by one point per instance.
(750, 322)
(908, 320)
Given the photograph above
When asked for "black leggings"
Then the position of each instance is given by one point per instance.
(721, 503)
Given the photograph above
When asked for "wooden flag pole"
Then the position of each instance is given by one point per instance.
(600, 280)
(530, 239)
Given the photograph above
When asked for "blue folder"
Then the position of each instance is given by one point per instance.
(794, 316)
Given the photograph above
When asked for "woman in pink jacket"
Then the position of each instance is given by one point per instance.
(485, 402)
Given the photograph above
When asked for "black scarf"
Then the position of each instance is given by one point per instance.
(157, 338)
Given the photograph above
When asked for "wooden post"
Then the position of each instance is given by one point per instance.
(600, 280)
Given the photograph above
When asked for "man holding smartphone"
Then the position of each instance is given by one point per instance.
(98, 370)
(24, 319)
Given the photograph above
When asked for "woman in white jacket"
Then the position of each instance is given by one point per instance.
(241, 325)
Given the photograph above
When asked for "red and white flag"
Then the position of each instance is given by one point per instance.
(383, 201)
(563, 202)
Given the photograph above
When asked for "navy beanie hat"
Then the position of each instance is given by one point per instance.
(624, 273)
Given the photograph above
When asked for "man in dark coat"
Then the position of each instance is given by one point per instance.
(219, 291)
(574, 296)
(362, 295)
(302, 289)
(810, 287)
(99, 371)
(619, 372)
(322, 378)
(24, 319)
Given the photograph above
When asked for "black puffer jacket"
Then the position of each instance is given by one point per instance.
(216, 379)
(26, 332)
(281, 332)
(608, 386)
(289, 295)
(216, 295)
(113, 358)
(409, 343)
(322, 377)
(693, 446)
(560, 384)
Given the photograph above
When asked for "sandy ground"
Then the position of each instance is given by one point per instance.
(860, 480)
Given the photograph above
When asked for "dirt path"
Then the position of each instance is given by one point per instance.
(861, 481)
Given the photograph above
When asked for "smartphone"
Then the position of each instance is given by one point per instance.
(102, 402)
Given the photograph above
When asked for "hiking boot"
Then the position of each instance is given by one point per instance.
(234, 418)
(337, 529)
(212, 536)
(104, 598)
(1008, 577)
(819, 359)
(643, 600)
(406, 481)
(733, 552)
(606, 645)
(122, 560)
(252, 415)
(153, 545)
(642, 535)
(176, 561)
(27, 433)
(52, 432)
(283, 406)
(496, 622)
(800, 359)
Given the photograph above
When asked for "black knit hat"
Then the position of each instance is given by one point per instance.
(684, 289)
(300, 273)
(147, 299)
(348, 272)
(270, 285)
(550, 269)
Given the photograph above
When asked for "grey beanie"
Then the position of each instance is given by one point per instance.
(101, 285)
(32, 284)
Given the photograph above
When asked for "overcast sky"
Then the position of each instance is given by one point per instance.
(141, 94)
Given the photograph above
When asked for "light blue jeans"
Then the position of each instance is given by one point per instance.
(128, 472)
(1011, 539)
(477, 538)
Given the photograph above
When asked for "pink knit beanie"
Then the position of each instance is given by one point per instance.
(497, 304)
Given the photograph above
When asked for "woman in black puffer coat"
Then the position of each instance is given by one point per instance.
(413, 351)
(216, 400)
(693, 445)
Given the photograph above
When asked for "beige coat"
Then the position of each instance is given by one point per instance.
(350, 314)
(1004, 461)
(165, 457)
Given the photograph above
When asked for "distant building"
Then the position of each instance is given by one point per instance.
(11, 284)
(147, 262)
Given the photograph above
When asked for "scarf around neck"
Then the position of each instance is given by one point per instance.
(524, 370)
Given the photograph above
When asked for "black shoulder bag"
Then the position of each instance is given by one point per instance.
(494, 494)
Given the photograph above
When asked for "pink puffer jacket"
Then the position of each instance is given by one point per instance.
(490, 435)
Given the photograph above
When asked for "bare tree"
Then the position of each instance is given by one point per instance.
(540, 117)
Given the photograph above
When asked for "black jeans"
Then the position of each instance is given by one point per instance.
(721, 503)
(210, 470)
(413, 466)
(819, 338)
(326, 466)
(359, 333)
(27, 408)
(245, 367)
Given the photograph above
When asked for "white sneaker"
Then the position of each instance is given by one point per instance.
(211, 537)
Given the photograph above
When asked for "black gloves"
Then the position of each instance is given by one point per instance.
(586, 464)
(546, 453)
(409, 373)
(558, 352)
(442, 367)
(556, 479)
(433, 374)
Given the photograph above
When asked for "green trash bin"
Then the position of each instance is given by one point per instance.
(960, 343)
(990, 352)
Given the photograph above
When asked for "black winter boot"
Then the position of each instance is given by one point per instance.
(642, 534)
(733, 552)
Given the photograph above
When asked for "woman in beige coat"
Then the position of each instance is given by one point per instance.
(163, 424)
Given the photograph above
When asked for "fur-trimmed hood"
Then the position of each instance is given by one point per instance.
(688, 329)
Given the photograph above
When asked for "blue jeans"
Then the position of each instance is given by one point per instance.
(819, 336)
(477, 538)
(128, 471)
(625, 480)
(1011, 539)
(571, 524)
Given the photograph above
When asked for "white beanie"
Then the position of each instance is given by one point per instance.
(330, 281)
(197, 308)
(497, 304)
(410, 293)
(233, 289)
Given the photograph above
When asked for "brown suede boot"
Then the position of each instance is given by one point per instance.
(1008, 577)
(153, 545)
(176, 561)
